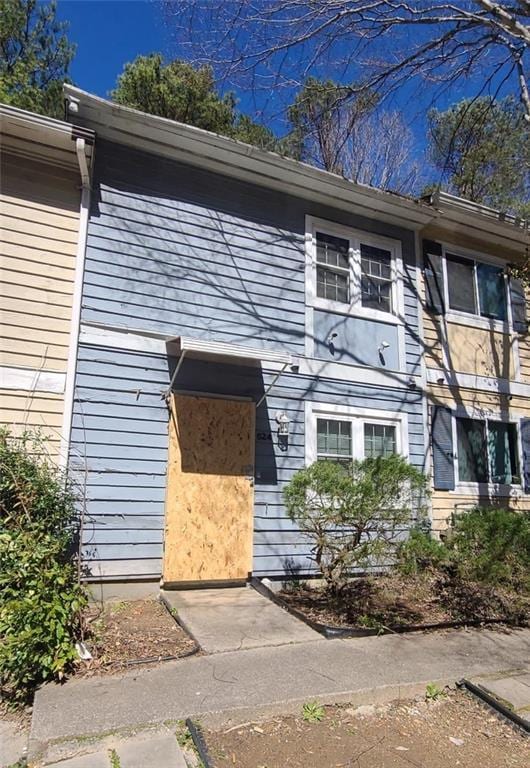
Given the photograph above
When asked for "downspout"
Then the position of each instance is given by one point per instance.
(84, 208)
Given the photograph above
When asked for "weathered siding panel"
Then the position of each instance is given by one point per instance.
(119, 452)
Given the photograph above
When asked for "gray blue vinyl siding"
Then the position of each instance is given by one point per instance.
(175, 250)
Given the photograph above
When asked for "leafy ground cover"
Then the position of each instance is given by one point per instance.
(122, 633)
(397, 600)
(432, 733)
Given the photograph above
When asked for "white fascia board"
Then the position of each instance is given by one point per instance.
(440, 377)
(145, 341)
(230, 157)
(133, 340)
(32, 380)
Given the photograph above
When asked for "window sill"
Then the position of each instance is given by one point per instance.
(488, 489)
(476, 321)
(349, 310)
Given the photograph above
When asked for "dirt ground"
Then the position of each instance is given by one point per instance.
(121, 633)
(397, 601)
(451, 731)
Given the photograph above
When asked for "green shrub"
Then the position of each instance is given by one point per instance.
(40, 599)
(420, 552)
(492, 546)
(354, 515)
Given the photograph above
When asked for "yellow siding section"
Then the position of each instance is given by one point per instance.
(39, 220)
(474, 350)
(446, 503)
(39, 223)
(22, 409)
(479, 351)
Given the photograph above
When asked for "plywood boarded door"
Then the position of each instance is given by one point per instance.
(209, 498)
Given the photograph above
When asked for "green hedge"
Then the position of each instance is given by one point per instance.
(41, 601)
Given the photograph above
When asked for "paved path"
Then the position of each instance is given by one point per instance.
(148, 749)
(235, 618)
(510, 687)
(246, 684)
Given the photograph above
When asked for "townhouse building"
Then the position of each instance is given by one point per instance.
(193, 320)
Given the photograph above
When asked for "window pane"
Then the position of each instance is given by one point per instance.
(492, 291)
(460, 278)
(379, 440)
(502, 443)
(333, 285)
(334, 440)
(332, 250)
(472, 451)
(376, 278)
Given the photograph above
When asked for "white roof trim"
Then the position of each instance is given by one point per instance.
(201, 347)
(195, 146)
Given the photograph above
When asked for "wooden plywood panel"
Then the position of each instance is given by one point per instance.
(209, 504)
(479, 351)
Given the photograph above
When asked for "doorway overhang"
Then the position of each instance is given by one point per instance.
(187, 347)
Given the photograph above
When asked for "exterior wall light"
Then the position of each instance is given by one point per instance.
(283, 422)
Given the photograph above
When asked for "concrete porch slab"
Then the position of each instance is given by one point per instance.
(235, 618)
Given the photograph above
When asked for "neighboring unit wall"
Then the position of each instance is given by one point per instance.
(39, 222)
(445, 504)
(488, 362)
(174, 250)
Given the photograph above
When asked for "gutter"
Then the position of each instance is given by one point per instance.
(81, 149)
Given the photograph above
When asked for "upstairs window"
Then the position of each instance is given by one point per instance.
(333, 268)
(476, 287)
(353, 272)
(376, 278)
(487, 452)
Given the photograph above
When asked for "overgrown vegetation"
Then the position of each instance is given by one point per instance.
(40, 598)
(354, 515)
(492, 546)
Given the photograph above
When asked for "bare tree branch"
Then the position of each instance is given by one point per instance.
(382, 43)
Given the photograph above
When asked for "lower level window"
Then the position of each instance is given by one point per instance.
(339, 439)
(487, 451)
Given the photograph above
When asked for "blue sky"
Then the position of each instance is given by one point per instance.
(109, 33)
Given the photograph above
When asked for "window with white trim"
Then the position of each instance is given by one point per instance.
(487, 451)
(343, 435)
(355, 272)
(476, 287)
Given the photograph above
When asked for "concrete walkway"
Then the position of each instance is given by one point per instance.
(235, 618)
(240, 685)
(511, 688)
(147, 749)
